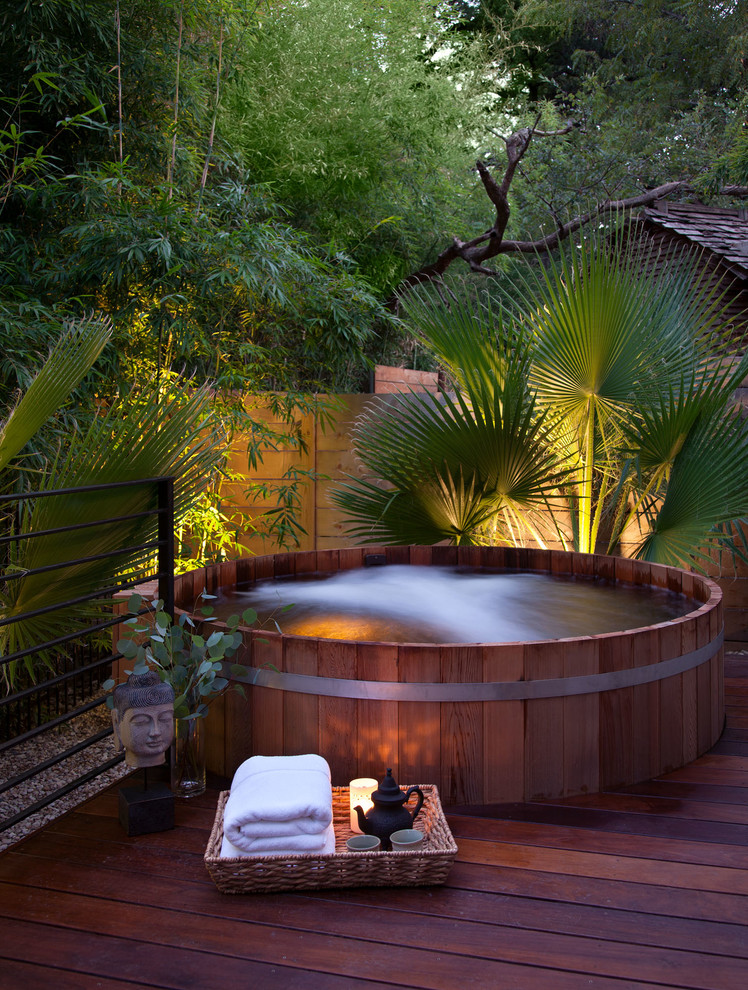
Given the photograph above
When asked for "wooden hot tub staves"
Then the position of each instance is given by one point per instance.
(490, 722)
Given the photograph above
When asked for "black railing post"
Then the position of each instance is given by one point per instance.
(166, 543)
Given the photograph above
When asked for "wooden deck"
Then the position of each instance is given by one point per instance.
(640, 888)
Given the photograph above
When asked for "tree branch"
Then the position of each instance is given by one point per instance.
(491, 243)
(569, 126)
(740, 191)
(551, 241)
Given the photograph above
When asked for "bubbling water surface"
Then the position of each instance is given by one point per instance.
(411, 604)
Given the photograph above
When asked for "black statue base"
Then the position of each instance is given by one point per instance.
(144, 810)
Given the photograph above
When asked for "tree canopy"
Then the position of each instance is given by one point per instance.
(238, 184)
(633, 101)
(121, 194)
(360, 118)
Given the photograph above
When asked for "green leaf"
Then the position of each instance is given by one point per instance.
(127, 648)
(571, 411)
(161, 654)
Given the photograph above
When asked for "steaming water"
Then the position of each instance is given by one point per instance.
(409, 604)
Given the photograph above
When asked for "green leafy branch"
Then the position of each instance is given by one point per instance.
(182, 654)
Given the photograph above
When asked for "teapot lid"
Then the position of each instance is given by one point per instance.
(388, 792)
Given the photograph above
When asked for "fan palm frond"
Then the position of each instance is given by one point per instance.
(472, 342)
(144, 435)
(69, 361)
(451, 463)
(707, 490)
(605, 381)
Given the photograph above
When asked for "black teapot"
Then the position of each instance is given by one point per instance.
(389, 813)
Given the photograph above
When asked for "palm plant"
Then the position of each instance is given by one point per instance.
(69, 361)
(601, 397)
(455, 464)
(145, 434)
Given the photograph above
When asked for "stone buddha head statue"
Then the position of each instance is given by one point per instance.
(143, 719)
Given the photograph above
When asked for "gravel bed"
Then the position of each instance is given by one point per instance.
(35, 751)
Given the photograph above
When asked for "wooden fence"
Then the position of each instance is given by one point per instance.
(329, 455)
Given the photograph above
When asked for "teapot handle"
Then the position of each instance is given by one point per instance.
(419, 802)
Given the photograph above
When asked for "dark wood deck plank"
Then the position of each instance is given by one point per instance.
(229, 944)
(722, 762)
(654, 805)
(738, 734)
(602, 893)
(685, 876)
(607, 843)
(736, 665)
(738, 717)
(612, 817)
(679, 790)
(733, 747)
(25, 976)
(153, 965)
(706, 774)
(293, 931)
(520, 912)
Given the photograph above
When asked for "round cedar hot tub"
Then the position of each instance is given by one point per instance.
(488, 722)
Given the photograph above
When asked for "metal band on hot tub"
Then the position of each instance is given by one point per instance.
(557, 687)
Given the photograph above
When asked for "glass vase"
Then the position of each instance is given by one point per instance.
(188, 757)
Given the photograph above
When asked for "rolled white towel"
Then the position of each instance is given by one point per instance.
(290, 846)
(275, 799)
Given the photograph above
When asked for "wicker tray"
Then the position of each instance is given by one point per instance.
(429, 864)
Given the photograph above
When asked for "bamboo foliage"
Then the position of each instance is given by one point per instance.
(173, 155)
(118, 29)
(211, 136)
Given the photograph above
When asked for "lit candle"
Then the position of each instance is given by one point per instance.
(360, 793)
